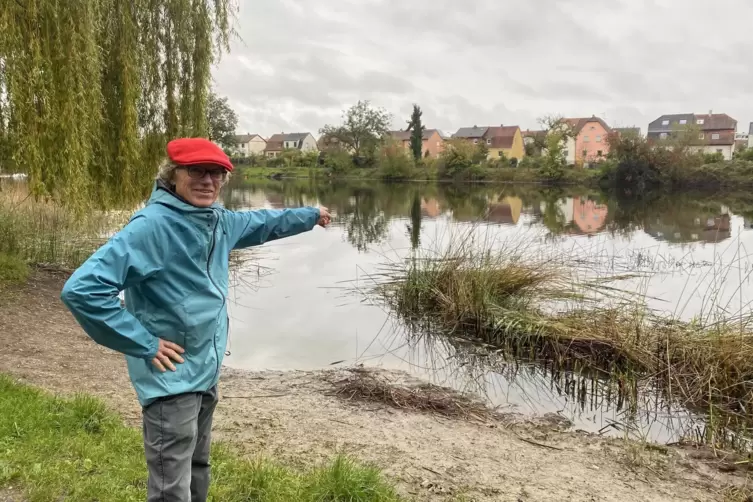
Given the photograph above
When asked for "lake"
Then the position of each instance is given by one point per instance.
(303, 303)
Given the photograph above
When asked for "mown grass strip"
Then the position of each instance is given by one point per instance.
(76, 449)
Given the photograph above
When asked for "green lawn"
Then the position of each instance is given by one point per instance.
(75, 449)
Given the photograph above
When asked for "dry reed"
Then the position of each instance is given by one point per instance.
(542, 310)
(365, 385)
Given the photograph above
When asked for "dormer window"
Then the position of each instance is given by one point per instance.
(683, 122)
(699, 121)
(665, 122)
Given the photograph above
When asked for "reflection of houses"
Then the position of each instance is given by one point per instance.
(700, 229)
(589, 216)
(506, 212)
(430, 208)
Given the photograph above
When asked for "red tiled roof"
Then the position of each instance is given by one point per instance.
(501, 137)
(274, 143)
(579, 123)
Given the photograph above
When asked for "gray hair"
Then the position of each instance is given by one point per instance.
(166, 172)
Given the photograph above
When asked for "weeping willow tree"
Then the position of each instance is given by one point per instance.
(91, 90)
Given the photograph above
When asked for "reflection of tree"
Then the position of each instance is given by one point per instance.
(414, 228)
(467, 202)
(366, 224)
(676, 218)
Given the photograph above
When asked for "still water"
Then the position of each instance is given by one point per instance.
(302, 303)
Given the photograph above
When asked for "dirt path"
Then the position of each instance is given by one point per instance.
(295, 416)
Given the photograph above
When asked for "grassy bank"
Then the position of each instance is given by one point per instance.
(544, 310)
(75, 448)
(485, 174)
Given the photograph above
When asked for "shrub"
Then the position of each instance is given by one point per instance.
(338, 161)
(12, 269)
(745, 154)
(395, 162)
(513, 162)
(456, 161)
(713, 158)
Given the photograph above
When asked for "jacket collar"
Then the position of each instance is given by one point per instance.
(164, 194)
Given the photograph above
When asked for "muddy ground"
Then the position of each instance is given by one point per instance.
(297, 417)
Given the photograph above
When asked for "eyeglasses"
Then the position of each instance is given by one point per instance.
(198, 173)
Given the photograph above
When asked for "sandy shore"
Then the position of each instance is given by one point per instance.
(297, 417)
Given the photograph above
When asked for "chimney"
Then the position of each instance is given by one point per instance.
(711, 112)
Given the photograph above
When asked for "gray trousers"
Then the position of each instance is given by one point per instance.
(177, 438)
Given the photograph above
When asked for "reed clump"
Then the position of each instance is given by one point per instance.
(548, 310)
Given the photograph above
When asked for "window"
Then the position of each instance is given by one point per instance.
(683, 122)
(598, 153)
(598, 139)
(475, 141)
(586, 139)
(593, 128)
(719, 150)
(565, 153)
(665, 122)
(699, 121)
(489, 141)
(701, 136)
(501, 153)
(663, 135)
(715, 136)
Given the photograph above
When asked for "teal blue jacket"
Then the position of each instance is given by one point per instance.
(171, 260)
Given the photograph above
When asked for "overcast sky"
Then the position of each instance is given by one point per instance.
(299, 63)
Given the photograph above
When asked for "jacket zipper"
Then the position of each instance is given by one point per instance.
(209, 274)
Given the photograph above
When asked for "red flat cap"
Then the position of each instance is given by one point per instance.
(191, 151)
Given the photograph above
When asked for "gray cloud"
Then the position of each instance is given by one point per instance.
(300, 63)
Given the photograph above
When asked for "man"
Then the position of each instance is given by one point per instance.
(171, 260)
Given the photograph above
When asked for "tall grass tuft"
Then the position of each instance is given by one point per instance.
(43, 232)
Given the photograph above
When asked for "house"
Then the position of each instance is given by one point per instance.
(432, 141)
(716, 131)
(249, 144)
(303, 141)
(502, 140)
(505, 141)
(750, 136)
(274, 145)
(589, 142)
(474, 134)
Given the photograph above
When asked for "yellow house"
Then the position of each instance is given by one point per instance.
(505, 140)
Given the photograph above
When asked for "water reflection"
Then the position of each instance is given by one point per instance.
(302, 317)
(365, 209)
